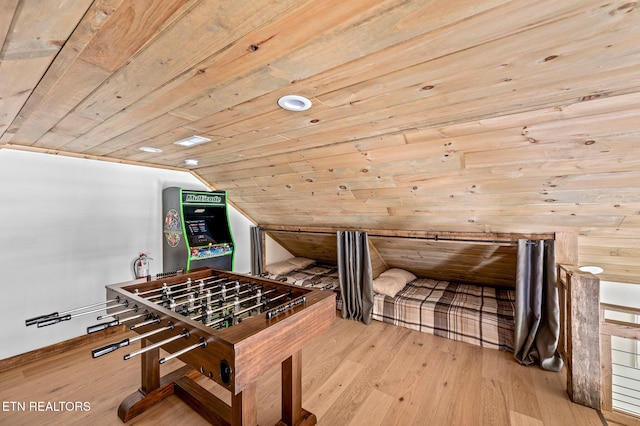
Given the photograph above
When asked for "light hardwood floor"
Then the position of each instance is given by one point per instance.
(352, 375)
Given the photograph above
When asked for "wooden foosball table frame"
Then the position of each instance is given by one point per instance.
(234, 357)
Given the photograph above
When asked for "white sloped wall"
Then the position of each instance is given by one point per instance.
(70, 226)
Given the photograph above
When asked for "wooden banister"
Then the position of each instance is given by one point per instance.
(579, 295)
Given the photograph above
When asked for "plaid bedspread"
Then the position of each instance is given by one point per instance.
(483, 316)
(317, 275)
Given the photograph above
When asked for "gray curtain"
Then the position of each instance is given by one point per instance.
(537, 327)
(354, 271)
(256, 251)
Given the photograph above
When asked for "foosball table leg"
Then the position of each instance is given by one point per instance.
(244, 407)
(153, 388)
(292, 412)
(150, 369)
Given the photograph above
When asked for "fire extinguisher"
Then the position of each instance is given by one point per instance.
(141, 266)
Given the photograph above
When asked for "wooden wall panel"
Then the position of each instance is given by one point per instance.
(490, 264)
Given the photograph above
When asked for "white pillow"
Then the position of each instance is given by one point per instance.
(389, 286)
(400, 274)
(279, 268)
(300, 262)
(288, 265)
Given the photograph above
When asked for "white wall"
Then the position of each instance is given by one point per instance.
(620, 293)
(70, 226)
(274, 252)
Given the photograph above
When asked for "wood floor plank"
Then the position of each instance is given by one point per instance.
(372, 411)
(550, 393)
(468, 379)
(409, 362)
(431, 391)
(326, 395)
(494, 406)
(450, 403)
(522, 420)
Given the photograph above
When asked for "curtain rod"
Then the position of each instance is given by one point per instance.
(434, 238)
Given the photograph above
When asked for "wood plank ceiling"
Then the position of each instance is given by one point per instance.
(484, 116)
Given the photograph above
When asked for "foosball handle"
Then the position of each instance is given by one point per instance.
(53, 320)
(35, 320)
(109, 348)
(102, 326)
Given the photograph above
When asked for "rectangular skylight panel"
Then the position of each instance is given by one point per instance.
(192, 141)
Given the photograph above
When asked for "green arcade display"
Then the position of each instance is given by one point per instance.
(196, 230)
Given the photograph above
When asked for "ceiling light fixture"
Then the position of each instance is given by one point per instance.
(593, 269)
(190, 162)
(150, 149)
(192, 141)
(294, 103)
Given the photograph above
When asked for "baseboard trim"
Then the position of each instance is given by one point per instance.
(58, 348)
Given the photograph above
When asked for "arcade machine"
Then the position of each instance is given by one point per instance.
(196, 230)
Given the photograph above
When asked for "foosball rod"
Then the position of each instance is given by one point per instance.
(221, 291)
(154, 319)
(235, 314)
(209, 312)
(164, 286)
(115, 314)
(183, 334)
(174, 304)
(272, 313)
(167, 290)
(259, 304)
(201, 344)
(228, 306)
(198, 282)
(32, 321)
(220, 320)
(117, 321)
(121, 344)
(179, 294)
(54, 320)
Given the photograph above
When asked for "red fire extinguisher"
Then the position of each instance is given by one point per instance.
(141, 266)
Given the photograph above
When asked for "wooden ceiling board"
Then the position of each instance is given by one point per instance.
(7, 12)
(203, 33)
(233, 60)
(43, 109)
(494, 116)
(31, 41)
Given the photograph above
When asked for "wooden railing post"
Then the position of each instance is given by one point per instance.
(583, 337)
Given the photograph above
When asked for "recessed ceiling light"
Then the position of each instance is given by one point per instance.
(294, 103)
(192, 141)
(593, 269)
(150, 149)
(190, 162)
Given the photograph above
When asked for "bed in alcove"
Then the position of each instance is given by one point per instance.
(460, 286)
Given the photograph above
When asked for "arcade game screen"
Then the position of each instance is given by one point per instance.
(199, 233)
(206, 226)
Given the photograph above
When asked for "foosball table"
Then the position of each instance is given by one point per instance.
(231, 328)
